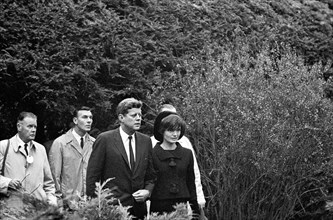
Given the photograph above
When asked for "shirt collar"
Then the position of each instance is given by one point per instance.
(21, 143)
(77, 136)
(124, 135)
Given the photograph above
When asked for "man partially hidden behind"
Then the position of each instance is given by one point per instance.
(26, 165)
(125, 155)
(69, 156)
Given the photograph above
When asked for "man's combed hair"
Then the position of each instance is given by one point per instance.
(82, 108)
(127, 104)
(24, 115)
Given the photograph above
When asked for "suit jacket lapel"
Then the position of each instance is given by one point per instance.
(15, 144)
(73, 142)
(120, 146)
(76, 145)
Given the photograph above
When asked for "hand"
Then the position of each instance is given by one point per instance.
(141, 195)
(15, 184)
(52, 201)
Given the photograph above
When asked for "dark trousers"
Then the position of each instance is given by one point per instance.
(138, 210)
(165, 205)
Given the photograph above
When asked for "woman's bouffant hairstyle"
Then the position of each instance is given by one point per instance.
(168, 121)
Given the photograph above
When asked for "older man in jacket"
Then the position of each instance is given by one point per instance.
(26, 165)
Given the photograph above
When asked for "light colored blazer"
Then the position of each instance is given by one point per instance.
(69, 162)
(36, 177)
(185, 142)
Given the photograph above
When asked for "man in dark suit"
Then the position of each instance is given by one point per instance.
(125, 155)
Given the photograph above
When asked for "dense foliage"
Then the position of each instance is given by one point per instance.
(21, 205)
(56, 55)
(250, 77)
(264, 140)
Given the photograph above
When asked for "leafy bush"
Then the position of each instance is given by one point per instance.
(55, 55)
(22, 206)
(263, 132)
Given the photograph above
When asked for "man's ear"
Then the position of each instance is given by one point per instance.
(120, 117)
(75, 120)
(19, 126)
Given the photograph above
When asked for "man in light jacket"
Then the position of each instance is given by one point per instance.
(69, 156)
(26, 165)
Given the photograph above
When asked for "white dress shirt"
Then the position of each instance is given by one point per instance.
(78, 137)
(124, 138)
(21, 144)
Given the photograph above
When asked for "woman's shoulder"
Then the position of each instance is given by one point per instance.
(183, 150)
(157, 147)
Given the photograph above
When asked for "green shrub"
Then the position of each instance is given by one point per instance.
(262, 131)
(55, 55)
(21, 205)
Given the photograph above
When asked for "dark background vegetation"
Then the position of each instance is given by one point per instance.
(251, 78)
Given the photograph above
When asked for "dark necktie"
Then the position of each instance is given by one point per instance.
(26, 148)
(82, 142)
(131, 153)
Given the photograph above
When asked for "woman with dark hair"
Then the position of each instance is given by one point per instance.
(174, 166)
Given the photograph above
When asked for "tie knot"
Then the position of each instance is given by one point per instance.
(25, 145)
(130, 137)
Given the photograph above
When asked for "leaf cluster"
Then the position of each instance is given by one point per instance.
(21, 205)
(262, 131)
(56, 55)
